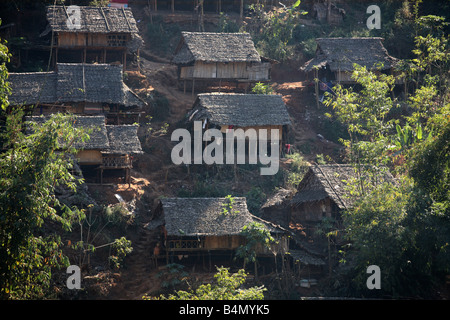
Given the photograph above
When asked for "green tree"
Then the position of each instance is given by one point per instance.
(261, 88)
(257, 236)
(227, 287)
(32, 166)
(5, 90)
(402, 227)
(365, 115)
(272, 30)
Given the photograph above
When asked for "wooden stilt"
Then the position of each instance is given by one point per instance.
(209, 258)
(316, 80)
(56, 57)
(124, 60)
(193, 86)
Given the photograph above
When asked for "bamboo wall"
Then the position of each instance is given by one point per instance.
(89, 157)
(312, 211)
(281, 247)
(235, 71)
(223, 242)
(269, 129)
(74, 39)
(231, 242)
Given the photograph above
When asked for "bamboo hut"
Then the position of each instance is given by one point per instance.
(80, 89)
(108, 147)
(323, 192)
(216, 58)
(277, 207)
(103, 34)
(334, 58)
(246, 111)
(199, 225)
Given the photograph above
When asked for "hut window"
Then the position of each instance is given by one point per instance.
(324, 210)
(116, 40)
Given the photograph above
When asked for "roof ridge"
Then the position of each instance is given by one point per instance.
(331, 186)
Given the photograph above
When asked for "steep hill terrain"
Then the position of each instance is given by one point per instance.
(155, 176)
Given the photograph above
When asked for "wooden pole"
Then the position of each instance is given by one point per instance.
(241, 12)
(173, 6)
(56, 57)
(316, 80)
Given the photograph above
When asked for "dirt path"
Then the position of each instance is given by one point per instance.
(138, 276)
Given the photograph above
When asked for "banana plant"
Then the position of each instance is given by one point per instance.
(406, 135)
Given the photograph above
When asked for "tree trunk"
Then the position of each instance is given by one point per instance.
(328, 11)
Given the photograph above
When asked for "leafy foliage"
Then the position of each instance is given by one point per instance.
(31, 168)
(227, 287)
(261, 88)
(272, 31)
(122, 247)
(402, 227)
(256, 234)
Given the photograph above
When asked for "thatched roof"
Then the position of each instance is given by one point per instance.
(93, 20)
(306, 258)
(31, 87)
(241, 110)
(328, 181)
(108, 139)
(204, 217)
(95, 124)
(94, 83)
(123, 139)
(73, 82)
(341, 53)
(215, 47)
(278, 199)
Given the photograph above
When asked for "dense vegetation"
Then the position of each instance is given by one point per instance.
(402, 227)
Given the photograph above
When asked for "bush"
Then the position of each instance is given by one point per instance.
(160, 106)
(118, 215)
(261, 88)
(255, 199)
(299, 167)
(162, 35)
(227, 287)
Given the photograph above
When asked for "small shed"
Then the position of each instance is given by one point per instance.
(323, 192)
(245, 111)
(200, 225)
(98, 34)
(219, 57)
(80, 89)
(277, 207)
(123, 144)
(109, 147)
(335, 58)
